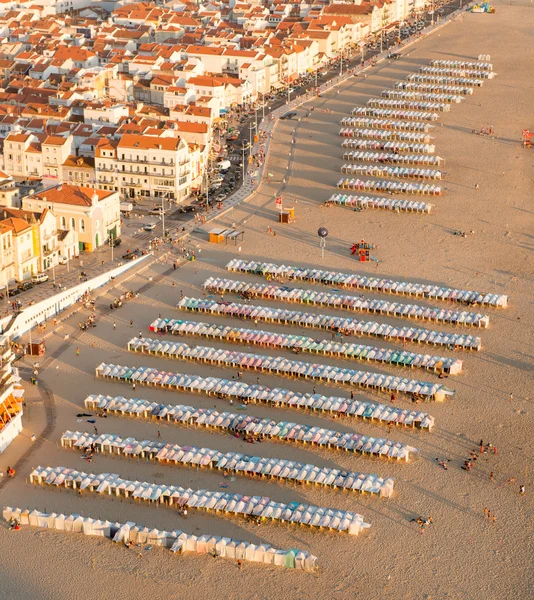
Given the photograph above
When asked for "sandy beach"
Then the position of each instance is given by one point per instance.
(488, 189)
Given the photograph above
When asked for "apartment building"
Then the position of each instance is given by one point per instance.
(24, 236)
(142, 166)
(7, 257)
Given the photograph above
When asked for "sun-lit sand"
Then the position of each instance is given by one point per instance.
(461, 556)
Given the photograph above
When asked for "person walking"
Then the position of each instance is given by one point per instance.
(114, 325)
(131, 322)
(159, 435)
(133, 386)
(77, 352)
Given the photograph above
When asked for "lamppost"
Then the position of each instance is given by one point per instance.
(251, 127)
(111, 245)
(162, 214)
(322, 232)
(288, 91)
(243, 148)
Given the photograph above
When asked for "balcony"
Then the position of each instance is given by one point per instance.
(48, 251)
(144, 161)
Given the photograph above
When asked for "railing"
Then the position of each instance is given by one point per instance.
(146, 161)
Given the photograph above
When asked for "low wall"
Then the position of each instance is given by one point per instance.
(40, 312)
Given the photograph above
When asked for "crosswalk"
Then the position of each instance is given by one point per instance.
(143, 235)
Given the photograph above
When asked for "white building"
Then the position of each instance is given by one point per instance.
(140, 166)
(93, 214)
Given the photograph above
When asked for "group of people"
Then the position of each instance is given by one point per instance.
(484, 130)
(469, 463)
(88, 323)
(423, 522)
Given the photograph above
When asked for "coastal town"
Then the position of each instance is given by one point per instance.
(265, 299)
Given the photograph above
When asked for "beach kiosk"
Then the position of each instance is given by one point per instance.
(217, 235)
(220, 235)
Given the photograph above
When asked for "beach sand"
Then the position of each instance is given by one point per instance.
(461, 557)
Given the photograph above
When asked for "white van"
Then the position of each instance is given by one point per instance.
(39, 278)
(223, 165)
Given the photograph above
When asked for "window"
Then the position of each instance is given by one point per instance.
(72, 223)
(82, 225)
(63, 223)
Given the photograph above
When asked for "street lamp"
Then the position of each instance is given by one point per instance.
(251, 127)
(243, 148)
(111, 246)
(322, 232)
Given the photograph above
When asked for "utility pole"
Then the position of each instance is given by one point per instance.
(110, 245)
(341, 65)
(243, 148)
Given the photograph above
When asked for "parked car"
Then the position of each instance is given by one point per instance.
(62, 260)
(131, 255)
(158, 211)
(394, 56)
(149, 227)
(40, 278)
(117, 242)
(26, 285)
(188, 208)
(288, 115)
(14, 292)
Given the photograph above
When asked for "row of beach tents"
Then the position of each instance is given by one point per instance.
(358, 144)
(260, 507)
(434, 87)
(387, 113)
(369, 123)
(364, 202)
(451, 72)
(283, 431)
(428, 96)
(385, 134)
(345, 302)
(440, 79)
(343, 325)
(391, 187)
(249, 393)
(395, 172)
(177, 541)
(365, 282)
(393, 158)
(301, 343)
(278, 365)
(431, 107)
(234, 462)
(462, 64)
